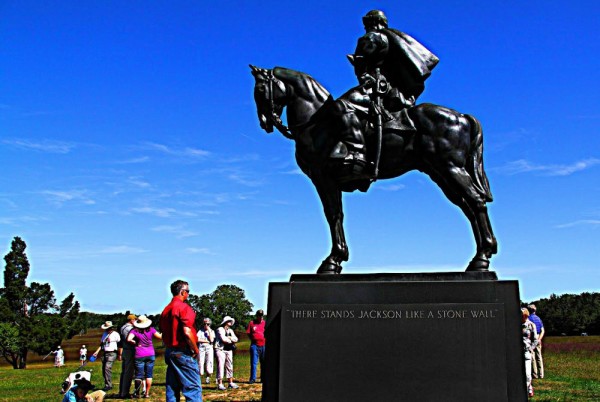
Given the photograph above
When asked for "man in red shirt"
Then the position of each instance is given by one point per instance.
(179, 336)
(256, 333)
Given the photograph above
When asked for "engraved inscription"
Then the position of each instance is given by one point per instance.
(394, 314)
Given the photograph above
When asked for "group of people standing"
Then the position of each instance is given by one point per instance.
(189, 354)
(132, 345)
(221, 343)
(533, 333)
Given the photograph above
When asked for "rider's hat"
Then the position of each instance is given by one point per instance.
(375, 15)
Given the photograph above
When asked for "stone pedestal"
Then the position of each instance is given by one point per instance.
(394, 337)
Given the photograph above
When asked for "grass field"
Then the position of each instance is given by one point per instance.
(572, 374)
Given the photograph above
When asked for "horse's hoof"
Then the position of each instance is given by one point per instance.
(478, 264)
(328, 268)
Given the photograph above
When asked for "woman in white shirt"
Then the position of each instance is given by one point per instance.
(206, 357)
(224, 347)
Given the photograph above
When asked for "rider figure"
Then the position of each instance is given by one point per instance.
(401, 60)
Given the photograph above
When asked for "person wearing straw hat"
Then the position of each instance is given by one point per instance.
(127, 357)
(206, 339)
(224, 346)
(141, 336)
(109, 345)
(79, 392)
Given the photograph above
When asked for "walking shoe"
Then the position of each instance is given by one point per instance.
(221, 387)
(207, 380)
(251, 382)
(233, 385)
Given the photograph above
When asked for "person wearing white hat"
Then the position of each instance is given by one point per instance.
(59, 357)
(224, 347)
(141, 336)
(109, 345)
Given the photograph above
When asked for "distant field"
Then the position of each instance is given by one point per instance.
(572, 374)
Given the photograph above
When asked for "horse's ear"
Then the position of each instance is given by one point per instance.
(255, 70)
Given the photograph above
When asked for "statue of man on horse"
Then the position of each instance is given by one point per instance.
(376, 131)
(391, 68)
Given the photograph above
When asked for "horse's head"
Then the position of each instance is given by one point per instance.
(270, 98)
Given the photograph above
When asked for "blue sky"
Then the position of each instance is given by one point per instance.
(131, 153)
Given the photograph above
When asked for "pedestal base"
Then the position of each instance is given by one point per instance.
(405, 337)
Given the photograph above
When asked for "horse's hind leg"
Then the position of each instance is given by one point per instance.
(457, 185)
(462, 183)
(454, 197)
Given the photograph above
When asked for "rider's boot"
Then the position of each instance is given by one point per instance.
(353, 156)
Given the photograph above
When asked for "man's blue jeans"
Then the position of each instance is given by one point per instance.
(257, 353)
(183, 376)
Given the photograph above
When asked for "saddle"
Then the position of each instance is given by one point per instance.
(354, 172)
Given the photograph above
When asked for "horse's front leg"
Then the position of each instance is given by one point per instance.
(331, 198)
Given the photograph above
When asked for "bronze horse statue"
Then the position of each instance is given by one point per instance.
(446, 145)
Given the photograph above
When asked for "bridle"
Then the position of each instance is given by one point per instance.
(272, 116)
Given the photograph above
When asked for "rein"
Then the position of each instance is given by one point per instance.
(275, 119)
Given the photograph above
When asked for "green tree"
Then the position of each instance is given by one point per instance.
(30, 319)
(225, 300)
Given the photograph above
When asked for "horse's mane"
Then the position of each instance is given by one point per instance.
(302, 82)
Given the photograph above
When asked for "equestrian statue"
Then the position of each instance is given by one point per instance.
(377, 131)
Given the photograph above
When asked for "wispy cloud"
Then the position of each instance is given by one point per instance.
(62, 197)
(141, 159)
(582, 222)
(161, 212)
(138, 182)
(293, 171)
(176, 151)
(524, 166)
(122, 250)
(179, 231)
(50, 146)
(245, 180)
(198, 250)
(16, 221)
(390, 187)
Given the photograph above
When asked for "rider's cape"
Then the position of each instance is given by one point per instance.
(406, 64)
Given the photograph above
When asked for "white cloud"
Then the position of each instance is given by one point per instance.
(179, 231)
(196, 250)
(138, 182)
(390, 187)
(50, 146)
(122, 250)
(61, 197)
(244, 180)
(174, 151)
(524, 166)
(140, 159)
(161, 212)
(583, 222)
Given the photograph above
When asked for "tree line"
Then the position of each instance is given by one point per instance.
(31, 319)
(570, 314)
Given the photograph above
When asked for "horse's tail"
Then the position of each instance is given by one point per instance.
(475, 165)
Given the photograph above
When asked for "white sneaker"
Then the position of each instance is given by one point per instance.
(221, 387)
(207, 380)
(233, 385)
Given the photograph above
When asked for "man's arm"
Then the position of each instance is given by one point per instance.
(542, 332)
(190, 338)
(249, 332)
